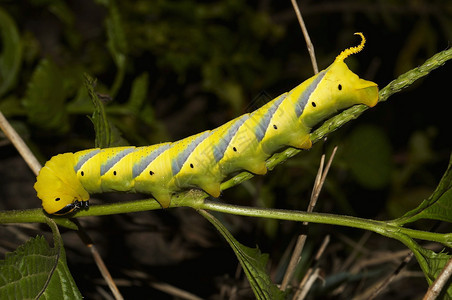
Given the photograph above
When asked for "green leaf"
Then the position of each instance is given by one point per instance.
(45, 98)
(63, 12)
(107, 135)
(35, 270)
(368, 154)
(438, 206)
(139, 92)
(253, 263)
(439, 210)
(430, 262)
(11, 55)
(117, 44)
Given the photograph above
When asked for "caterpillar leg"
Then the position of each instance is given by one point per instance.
(302, 144)
(163, 198)
(211, 188)
(258, 168)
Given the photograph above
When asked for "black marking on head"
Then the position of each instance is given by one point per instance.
(67, 209)
(73, 207)
(339, 87)
(82, 173)
(313, 104)
(275, 127)
(192, 166)
(151, 173)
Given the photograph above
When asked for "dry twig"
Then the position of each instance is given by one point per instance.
(440, 282)
(296, 255)
(306, 36)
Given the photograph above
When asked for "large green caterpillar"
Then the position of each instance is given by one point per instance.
(204, 160)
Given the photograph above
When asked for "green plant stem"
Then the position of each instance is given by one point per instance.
(380, 227)
(192, 200)
(33, 216)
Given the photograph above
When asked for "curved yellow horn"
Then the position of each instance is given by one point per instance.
(352, 50)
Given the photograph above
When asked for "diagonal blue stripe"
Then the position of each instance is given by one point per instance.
(304, 97)
(142, 164)
(223, 143)
(178, 162)
(262, 126)
(84, 158)
(114, 160)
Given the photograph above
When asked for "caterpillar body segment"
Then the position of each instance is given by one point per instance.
(206, 159)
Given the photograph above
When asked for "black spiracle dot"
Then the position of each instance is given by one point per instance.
(339, 87)
(57, 199)
(192, 166)
(82, 173)
(234, 148)
(275, 127)
(313, 104)
(114, 173)
(151, 173)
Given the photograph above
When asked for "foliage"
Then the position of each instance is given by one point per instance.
(35, 271)
(165, 70)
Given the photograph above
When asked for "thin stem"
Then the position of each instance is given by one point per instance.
(379, 227)
(192, 200)
(302, 285)
(301, 240)
(437, 286)
(319, 184)
(20, 145)
(306, 36)
(391, 278)
(32, 216)
(307, 286)
(58, 244)
(83, 235)
(119, 208)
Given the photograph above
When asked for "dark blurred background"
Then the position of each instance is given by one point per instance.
(169, 69)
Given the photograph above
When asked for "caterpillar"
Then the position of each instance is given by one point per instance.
(206, 159)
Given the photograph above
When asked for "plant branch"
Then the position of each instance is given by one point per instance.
(32, 216)
(194, 201)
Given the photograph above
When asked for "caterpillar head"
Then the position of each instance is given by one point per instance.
(339, 88)
(58, 187)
